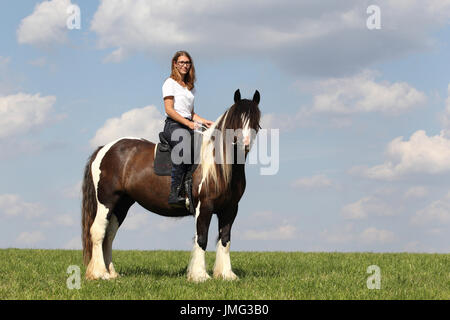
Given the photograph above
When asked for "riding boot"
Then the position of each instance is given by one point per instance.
(176, 196)
(175, 199)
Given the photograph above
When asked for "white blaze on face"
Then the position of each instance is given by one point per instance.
(246, 132)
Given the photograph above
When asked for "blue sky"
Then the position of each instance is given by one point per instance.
(340, 95)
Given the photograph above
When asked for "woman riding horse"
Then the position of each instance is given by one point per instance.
(178, 94)
(121, 173)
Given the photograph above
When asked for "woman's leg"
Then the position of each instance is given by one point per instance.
(178, 170)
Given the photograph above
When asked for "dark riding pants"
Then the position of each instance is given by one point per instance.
(178, 170)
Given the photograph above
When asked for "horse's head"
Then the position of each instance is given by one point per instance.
(242, 120)
(235, 130)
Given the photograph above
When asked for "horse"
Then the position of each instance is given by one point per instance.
(121, 173)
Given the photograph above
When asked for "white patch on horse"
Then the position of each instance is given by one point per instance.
(222, 266)
(97, 268)
(246, 132)
(197, 266)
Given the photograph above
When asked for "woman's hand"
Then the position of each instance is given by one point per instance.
(191, 125)
(208, 123)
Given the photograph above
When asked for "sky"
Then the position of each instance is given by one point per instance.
(360, 100)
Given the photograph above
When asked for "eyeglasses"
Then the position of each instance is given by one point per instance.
(186, 63)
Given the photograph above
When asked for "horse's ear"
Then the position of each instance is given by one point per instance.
(237, 96)
(256, 97)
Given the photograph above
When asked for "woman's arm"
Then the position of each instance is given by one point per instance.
(197, 118)
(168, 105)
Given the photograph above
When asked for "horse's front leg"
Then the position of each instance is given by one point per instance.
(197, 266)
(222, 266)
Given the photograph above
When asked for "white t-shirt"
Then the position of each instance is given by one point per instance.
(183, 97)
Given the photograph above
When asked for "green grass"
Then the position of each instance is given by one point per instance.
(41, 274)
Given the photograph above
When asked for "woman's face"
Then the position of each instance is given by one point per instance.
(183, 65)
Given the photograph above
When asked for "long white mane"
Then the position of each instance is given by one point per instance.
(213, 160)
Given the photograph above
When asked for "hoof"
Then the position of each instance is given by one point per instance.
(96, 276)
(198, 277)
(112, 272)
(93, 273)
(229, 276)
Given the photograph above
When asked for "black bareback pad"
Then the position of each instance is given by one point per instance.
(162, 165)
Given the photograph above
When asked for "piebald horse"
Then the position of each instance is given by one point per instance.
(121, 173)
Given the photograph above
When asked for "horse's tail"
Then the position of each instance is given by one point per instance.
(88, 209)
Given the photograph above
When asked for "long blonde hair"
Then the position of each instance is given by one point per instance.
(190, 76)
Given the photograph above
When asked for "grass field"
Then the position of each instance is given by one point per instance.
(42, 274)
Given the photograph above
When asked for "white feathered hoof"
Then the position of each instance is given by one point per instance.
(198, 277)
(222, 266)
(97, 274)
(229, 276)
(196, 271)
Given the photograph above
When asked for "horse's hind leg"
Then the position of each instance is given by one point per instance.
(97, 268)
(110, 234)
(119, 213)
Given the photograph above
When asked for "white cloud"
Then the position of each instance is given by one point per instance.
(20, 113)
(317, 181)
(144, 122)
(12, 205)
(311, 37)
(284, 232)
(46, 26)
(336, 100)
(438, 212)
(365, 207)
(30, 238)
(420, 154)
(362, 94)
